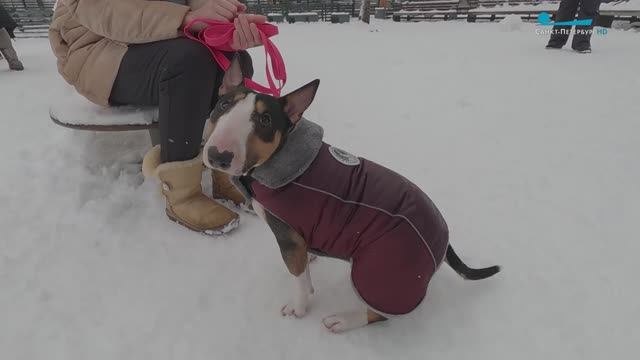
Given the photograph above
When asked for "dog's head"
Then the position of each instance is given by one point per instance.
(246, 128)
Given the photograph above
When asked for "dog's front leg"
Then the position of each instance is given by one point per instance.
(293, 249)
(302, 292)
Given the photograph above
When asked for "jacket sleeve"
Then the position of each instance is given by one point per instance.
(129, 21)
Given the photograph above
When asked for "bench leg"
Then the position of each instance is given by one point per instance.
(154, 135)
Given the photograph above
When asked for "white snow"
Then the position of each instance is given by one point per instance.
(531, 155)
(71, 108)
(512, 23)
(309, 13)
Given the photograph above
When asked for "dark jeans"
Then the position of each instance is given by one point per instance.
(586, 9)
(182, 79)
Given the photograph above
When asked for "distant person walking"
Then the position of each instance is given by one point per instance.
(7, 25)
(585, 9)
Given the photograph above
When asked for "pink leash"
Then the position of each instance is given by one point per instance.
(218, 36)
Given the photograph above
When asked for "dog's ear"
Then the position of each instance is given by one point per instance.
(246, 64)
(208, 130)
(232, 77)
(297, 102)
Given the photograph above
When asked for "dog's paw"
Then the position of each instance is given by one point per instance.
(345, 321)
(294, 309)
(298, 307)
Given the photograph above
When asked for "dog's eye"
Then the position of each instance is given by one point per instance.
(265, 120)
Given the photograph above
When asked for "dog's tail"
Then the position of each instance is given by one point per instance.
(466, 272)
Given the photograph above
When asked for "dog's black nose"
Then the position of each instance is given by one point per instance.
(219, 159)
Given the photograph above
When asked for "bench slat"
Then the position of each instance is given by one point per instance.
(104, 127)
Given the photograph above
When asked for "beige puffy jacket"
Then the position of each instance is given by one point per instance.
(90, 37)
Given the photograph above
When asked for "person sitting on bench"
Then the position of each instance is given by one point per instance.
(131, 52)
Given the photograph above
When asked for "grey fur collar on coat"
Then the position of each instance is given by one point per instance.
(294, 157)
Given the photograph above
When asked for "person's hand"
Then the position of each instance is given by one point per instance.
(221, 10)
(246, 34)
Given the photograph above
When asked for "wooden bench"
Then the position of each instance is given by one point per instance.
(491, 3)
(424, 6)
(275, 17)
(32, 16)
(472, 10)
(424, 15)
(495, 10)
(75, 112)
(380, 13)
(340, 17)
(430, 10)
(303, 17)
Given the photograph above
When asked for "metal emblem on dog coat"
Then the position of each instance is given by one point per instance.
(343, 156)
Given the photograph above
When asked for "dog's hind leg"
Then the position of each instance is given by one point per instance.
(346, 321)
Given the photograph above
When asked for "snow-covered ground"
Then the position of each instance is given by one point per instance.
(622, 5)
(531, 155)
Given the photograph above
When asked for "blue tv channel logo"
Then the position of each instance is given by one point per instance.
(544, 19)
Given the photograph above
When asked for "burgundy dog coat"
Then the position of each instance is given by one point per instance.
(354, 209)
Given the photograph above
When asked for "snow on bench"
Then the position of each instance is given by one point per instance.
(303, 13)
(275, 17)
(303, 17)
(74, 111)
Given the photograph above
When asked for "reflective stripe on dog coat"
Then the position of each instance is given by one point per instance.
(354, 209)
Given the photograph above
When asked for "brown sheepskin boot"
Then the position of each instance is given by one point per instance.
(186, 204)
(224, 190)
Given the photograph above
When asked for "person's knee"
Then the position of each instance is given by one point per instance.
(191, 59)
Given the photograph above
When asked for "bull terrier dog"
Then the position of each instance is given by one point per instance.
(319, 199)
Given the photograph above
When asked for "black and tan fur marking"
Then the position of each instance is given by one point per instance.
(373, 317)
(226, 103)
(293, 248)
(270, 124)
(261, 107)
(239, 96)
